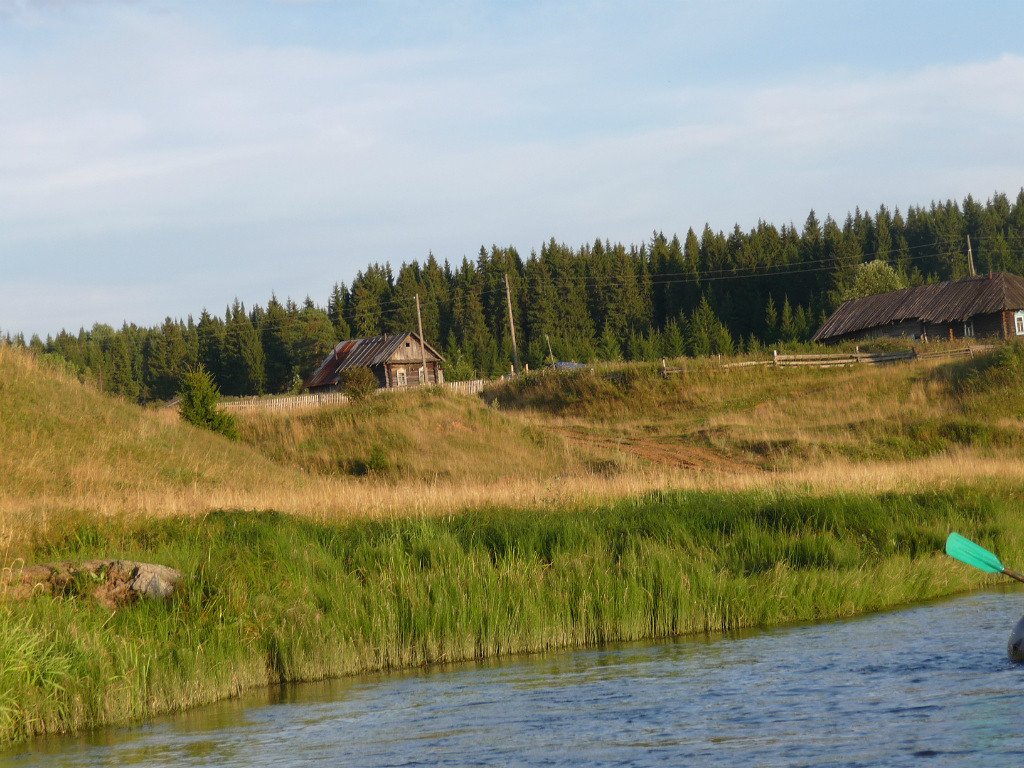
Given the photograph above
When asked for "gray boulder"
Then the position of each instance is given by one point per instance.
(114, 583)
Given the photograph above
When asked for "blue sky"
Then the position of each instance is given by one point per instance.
(157, 158)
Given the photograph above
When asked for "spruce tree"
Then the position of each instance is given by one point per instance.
(672, 342)
(371, 294)
(210, 337)
(771, 321)
(700, 328)
(337, 311)
(277, 332)
(312, 340)
(166, 359)
(198, 398)
(787, 328)
(608, 346)
(243, 360)
(721, 340)
(122, 379)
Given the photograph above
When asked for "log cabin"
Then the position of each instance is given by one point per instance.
(985, 306)
(396, 359)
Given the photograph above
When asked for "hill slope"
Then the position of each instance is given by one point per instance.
(67, 447)
(947, 419)
(431, 435)
(270, 598)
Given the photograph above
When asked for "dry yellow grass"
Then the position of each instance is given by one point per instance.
(784, 419)
(428, 435)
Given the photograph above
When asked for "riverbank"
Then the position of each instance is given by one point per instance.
(270, 598)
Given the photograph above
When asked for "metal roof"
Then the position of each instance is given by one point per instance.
(363, 353)
(952, 301)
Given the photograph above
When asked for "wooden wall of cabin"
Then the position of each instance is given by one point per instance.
(908, 329)
(411, 369)
(997, 324)
(990, 325)
(984, 326)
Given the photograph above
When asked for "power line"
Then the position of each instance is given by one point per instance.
(735, 272)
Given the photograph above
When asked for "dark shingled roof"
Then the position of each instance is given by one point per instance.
(953, 301)
(360, 353)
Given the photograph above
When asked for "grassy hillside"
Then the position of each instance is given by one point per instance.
(792, 421)
(430, 435)
(67, 449)
(547, 441)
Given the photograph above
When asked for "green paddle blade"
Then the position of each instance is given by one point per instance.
(966, 551)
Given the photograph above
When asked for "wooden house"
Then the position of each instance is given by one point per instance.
(989, 305)
(396, 359)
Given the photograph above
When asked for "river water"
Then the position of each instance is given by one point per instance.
(930, 685)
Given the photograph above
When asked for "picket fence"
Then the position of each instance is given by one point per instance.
(324, 399)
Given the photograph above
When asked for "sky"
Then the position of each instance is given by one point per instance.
(158, 158)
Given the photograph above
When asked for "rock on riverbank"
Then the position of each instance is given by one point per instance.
(113, 583)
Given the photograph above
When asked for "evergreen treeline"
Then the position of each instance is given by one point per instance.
(707, 293)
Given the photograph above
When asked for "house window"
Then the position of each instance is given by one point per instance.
(1018, 322)
(402, 380)
(969, 329)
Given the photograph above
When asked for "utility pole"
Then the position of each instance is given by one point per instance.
(550, 353)
(970, 256)
(423, 344)
(511, 324)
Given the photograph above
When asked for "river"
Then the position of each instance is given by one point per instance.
(929, 685)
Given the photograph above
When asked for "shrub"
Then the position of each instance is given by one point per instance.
(378, 461)
(358, 382)
(199, 397)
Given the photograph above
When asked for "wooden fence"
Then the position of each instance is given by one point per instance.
(834, 361)
(286, 402)
(876, 358)
(842, 360)
(324, 399)
(949, 353)
(474, 387)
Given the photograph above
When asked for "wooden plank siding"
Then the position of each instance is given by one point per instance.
(411, 370)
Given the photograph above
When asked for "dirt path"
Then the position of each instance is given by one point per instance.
(664, 451)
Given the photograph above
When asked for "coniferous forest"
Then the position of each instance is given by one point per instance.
(704, 293)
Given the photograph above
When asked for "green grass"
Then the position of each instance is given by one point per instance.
(269, 598)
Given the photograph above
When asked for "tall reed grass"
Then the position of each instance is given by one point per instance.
(269, 598)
